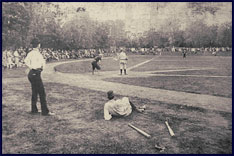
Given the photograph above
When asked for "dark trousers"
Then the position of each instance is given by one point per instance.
(34, 77)
(95, 65)
(133, 106)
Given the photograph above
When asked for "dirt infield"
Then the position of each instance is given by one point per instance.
(96, 82)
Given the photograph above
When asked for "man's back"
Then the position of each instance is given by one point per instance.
(98, 58)
(120, 107)
(34, 59)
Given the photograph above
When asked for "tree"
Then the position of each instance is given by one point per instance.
(179, 40)
(15, 25)
(196, 34)
(201, 8)
(45, 20)
(101, 36)
(224, 35)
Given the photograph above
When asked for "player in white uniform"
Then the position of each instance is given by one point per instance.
(123, 62)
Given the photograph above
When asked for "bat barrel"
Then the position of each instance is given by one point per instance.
(140, 131)
(169, 128)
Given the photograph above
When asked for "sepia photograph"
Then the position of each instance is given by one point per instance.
(116, 77)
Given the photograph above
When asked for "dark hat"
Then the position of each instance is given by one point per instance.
(110, 94)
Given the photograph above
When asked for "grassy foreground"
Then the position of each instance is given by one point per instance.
(79, 127)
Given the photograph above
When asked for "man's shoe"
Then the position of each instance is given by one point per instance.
(140, 110)
(49, 114)
(143, 107)
(159, 147)
(35, 112)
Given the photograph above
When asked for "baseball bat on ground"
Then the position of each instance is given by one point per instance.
(169, 128)
(140, 131)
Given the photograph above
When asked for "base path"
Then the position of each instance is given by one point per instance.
(95, 82)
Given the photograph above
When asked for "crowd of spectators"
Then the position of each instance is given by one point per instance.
(51, 54)
(178, 50)
(15, 58)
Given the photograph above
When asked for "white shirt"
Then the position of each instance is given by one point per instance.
(123, 56)
(16, 54)
(120, 107)
(34, 59)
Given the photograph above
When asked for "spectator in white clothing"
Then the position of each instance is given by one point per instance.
(36, 63)
(120, 107)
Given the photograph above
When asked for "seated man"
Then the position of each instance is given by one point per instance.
(120, 107)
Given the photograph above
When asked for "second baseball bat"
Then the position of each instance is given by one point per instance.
(169, 128)
(140, 131)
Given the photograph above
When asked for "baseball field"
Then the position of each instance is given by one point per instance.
(193, 94)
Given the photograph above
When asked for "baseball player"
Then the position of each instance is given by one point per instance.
(95, 63)
(184, 53)
(123, 62)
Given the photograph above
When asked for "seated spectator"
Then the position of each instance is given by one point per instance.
(121, 107)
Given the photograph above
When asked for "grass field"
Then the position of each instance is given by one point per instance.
(218, 86)
(210, 86)
(79, 127)
(224, 64)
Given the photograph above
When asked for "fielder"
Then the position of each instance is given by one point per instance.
(121, 107)
(184, 53)
(123, 62)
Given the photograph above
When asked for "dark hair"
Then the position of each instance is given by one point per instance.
(35, 42)
(110, 95)
(110, 98)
